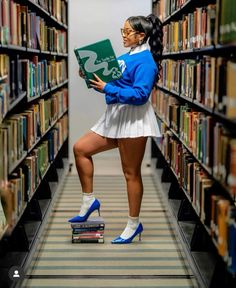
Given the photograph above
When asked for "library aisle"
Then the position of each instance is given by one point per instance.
(156, 261)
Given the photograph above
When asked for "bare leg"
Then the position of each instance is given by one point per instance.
(131, 153)
(88, 145)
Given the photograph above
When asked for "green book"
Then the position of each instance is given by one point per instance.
(98, 58)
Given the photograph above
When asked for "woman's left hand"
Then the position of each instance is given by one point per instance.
(97, 83)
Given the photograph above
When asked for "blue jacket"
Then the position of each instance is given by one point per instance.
(139, 72)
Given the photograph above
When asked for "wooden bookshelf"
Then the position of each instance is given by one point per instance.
(194, 162)
(33, 123)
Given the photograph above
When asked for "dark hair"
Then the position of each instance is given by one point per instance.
(152, 27)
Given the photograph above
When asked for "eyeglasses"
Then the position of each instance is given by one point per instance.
(126, 33)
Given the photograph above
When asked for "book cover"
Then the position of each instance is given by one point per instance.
(88, 234)
(97, 228)
(98, 58)
(87, 226)
(231, 90)
(91, 222)
(222, 222)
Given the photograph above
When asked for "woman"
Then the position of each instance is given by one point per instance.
(127, 122)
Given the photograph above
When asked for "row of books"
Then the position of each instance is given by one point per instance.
(56, 8)
(23, 178)
(195, 30)
(165, 8)
(41, 36)
(90, 231)
(214, 211)
(205, 26)
(31, 76)
(35, 165)
(27, 177)
(209, 141)
(201, 80)
(21, 27)
(191, 176)
(20, 132)
(42, 75)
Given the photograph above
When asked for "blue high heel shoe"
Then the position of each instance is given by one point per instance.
(120, 240)
(95, 206)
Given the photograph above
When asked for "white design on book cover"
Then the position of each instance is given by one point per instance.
(93, 64)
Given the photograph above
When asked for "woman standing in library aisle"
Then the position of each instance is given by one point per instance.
(127, 122)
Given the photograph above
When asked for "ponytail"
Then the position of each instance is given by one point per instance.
(155, 36)
(152, 27)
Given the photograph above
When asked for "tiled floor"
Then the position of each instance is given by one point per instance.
(156, 261)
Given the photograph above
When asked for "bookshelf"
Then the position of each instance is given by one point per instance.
(194, 162)
(33, 123)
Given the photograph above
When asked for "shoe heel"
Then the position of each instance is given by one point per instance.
(98, 212)
(140, 236)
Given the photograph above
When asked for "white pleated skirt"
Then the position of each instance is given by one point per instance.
(127, 121)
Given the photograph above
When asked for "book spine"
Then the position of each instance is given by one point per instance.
(83, 226)
(81, 64)
(87, 240)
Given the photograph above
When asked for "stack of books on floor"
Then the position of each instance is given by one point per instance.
(90, 231)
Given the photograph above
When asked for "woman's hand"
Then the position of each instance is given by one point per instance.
(97, 84)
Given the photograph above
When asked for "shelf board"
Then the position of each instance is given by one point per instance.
(16, 101)
(205, 263)
(31, 229)
(206, 258)
(175, 205)
(53, 185)
(44, 204)
(187, 229)
(4, 278)
(17, 163)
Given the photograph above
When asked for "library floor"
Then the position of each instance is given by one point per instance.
(156, 261)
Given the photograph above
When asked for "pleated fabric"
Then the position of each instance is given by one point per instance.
(127, 121)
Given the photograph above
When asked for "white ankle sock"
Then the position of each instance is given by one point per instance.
(87, 201)
(130, 228)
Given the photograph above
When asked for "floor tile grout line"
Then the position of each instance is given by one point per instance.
(156, 276)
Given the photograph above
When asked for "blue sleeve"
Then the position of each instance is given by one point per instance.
(138, 93)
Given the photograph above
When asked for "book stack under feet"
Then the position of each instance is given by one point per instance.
(90, 231)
